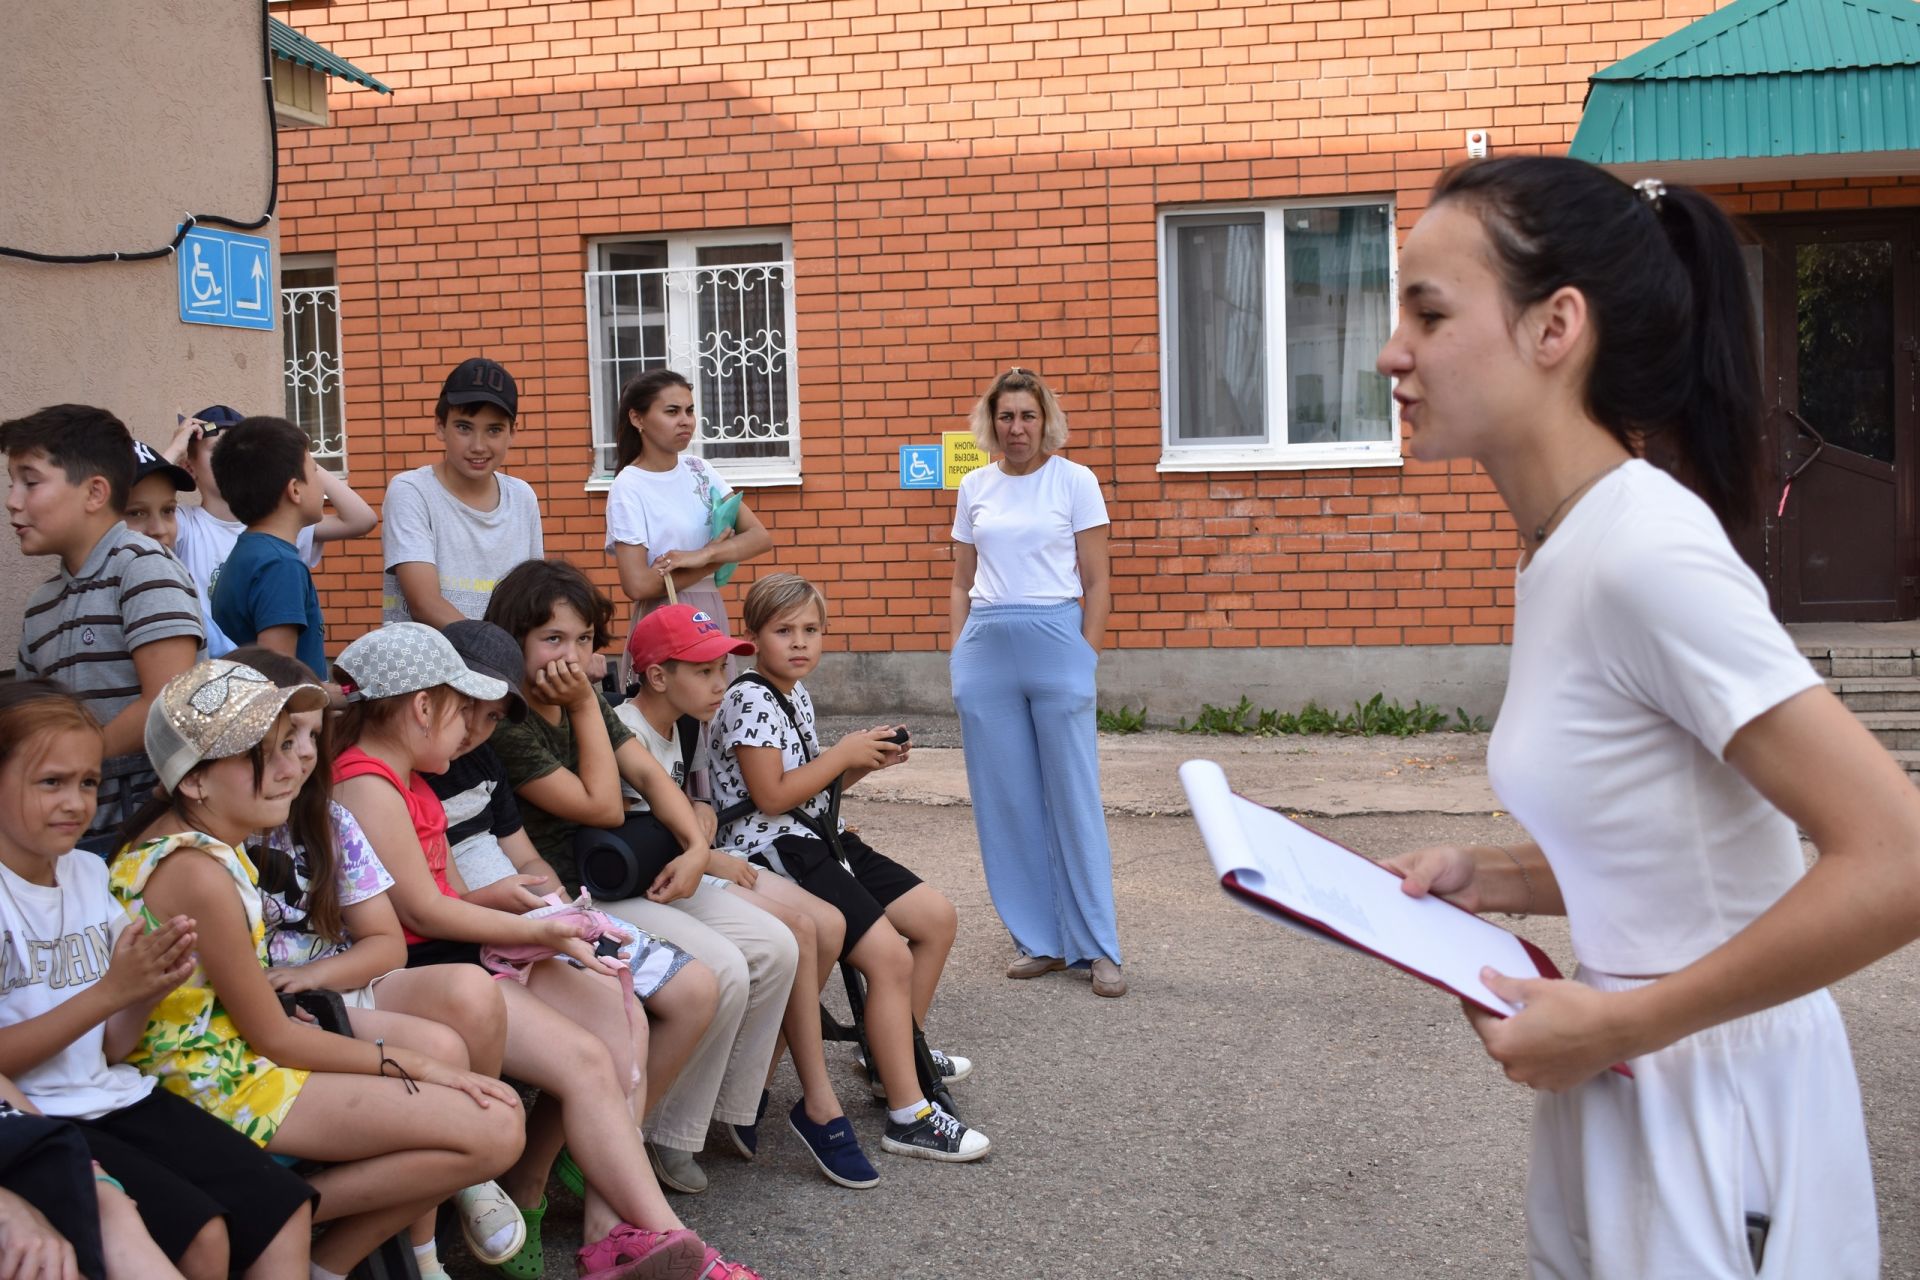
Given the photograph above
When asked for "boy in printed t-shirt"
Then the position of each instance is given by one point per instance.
(119, 619)
(207, 532)
(265, 593)
(453, 528)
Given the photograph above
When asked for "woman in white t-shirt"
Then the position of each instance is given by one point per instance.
(660, 509)
(1029, 607)
(1661, 739)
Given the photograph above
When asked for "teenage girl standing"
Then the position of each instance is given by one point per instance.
(660, 509)
(1661, 739)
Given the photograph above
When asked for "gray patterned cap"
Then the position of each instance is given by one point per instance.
(406, 657)
(214, 710)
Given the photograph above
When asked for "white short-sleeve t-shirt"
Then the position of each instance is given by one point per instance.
(664, 510)
(1023, 529)
(1642, 644)
(55, 942)
(667, 751)
(203, 543)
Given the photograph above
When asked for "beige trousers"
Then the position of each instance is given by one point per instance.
(754, 957)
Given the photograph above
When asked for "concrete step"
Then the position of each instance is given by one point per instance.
(1879, 662)
(1879, 693)
(1910, 761)
(1897, 730)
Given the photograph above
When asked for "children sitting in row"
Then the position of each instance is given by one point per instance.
(119, 618)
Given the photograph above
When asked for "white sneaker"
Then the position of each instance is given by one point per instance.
(934, 1134)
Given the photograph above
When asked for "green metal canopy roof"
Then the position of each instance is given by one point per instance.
(297, 49)
(1765, 81)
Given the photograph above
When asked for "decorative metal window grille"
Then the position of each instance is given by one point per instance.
(725, 321)
(310, 341)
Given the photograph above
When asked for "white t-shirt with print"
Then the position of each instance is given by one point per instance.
(203, 543)
(667, 750)
(751, 718)
(55, 942)
(664, 510)
(1023, 528)
(1641, 645)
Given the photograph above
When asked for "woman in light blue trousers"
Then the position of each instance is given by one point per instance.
(1029, 607)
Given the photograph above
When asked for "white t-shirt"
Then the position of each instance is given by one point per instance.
(1023, 528)
(420, 522)
(664, 510)
(1641, 645)
(751, 718)
(55, 942)
(202, 543)
(667, 750)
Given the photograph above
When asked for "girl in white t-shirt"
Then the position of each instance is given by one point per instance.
(1028, 609)
(660, 509)
(1661, 739)
(78, 979)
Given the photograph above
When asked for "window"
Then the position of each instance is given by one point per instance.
(717, 308)
(1272, 317)
(310, 340)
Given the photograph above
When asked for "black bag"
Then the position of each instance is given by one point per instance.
(46, 1162)
(608, 865)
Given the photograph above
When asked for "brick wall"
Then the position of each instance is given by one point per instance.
(968, 186)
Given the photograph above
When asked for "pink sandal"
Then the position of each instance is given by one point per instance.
(718, 1268)
(633, 1253)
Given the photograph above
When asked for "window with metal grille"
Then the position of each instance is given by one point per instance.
(1272, 317)
(718, 309)
(310, 340)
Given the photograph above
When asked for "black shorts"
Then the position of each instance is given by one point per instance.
(438, 951)
(45, 1162)
(862, 897)
(184, 1168)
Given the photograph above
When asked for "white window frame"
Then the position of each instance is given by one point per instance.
(1274, 453)
(683, 254)
(292, 302)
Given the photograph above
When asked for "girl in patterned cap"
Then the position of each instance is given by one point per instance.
(400, 1131)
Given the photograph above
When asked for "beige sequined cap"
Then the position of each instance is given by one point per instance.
(217, 709)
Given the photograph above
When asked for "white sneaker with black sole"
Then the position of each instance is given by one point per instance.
(933, 1134)
(952, 1068)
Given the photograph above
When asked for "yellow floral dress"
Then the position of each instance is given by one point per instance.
(190, 1045)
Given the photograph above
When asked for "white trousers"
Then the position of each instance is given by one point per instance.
(1652, 1178)
(754, 956)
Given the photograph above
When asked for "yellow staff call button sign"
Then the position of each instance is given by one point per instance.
(959, 454)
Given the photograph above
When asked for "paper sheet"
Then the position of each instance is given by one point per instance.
(1347, 894)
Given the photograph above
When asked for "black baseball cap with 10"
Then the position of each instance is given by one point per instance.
(482, 381)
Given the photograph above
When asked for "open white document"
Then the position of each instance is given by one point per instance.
(1282, 869)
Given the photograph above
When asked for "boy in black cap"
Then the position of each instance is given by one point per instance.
(209, 531)
(153, 503)
(455, 527)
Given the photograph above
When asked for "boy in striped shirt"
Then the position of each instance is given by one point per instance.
(120, 618)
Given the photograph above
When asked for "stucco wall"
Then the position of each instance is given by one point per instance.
(121, 117)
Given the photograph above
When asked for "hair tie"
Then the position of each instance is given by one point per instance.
(1652, 190)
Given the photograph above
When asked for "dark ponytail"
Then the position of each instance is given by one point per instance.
(1675, 363)
(638, 397)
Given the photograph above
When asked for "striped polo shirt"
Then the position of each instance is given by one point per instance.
(82, 628)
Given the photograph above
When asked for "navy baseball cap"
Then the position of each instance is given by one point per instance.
(482, 381)
(218, 417)
(146, 463)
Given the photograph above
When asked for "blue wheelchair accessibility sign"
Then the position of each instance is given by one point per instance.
(226, 279)
(919, 466)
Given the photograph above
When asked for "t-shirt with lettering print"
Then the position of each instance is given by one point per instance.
(750, 717)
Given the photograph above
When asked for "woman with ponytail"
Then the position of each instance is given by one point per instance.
(1661, 739)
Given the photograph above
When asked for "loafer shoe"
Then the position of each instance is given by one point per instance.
(677, 1170)
(1107, 979)
(1026, 966)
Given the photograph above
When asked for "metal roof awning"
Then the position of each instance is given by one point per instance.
(1764, 90)
(290, 46)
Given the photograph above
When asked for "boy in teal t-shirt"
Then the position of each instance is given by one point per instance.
(265, 593)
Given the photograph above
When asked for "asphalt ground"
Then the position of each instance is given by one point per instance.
(1260, 1105)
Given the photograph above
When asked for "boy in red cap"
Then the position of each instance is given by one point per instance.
(679, 656)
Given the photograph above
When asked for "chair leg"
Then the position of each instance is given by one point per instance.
(931, 1082)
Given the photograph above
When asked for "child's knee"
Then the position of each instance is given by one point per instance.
(474, 1005)
(693, 992)
(780, 956)
(206, 1254)
(438, 1040)
(831, 931)
(496, 1141)
(882, 955)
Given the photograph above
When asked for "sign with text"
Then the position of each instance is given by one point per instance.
(959, 454)
(226, 279)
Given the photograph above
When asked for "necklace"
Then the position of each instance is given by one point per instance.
(1540, 530)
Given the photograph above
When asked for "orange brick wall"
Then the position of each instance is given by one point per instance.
(968, 186)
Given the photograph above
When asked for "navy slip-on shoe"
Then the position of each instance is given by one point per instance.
(834, 1148)
(746, 1137)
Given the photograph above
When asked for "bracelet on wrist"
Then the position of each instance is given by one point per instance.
(380, 1046)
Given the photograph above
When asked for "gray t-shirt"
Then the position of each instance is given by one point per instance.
(421, 522)
(82, 628)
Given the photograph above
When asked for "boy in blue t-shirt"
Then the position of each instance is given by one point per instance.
(265, 593)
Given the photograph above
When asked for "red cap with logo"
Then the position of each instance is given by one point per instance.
(682, 632)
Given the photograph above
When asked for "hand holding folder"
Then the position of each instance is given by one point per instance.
(1321, 888)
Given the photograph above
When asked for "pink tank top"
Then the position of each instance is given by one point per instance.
(423, 808)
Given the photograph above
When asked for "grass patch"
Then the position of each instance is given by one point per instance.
(1376, 717)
